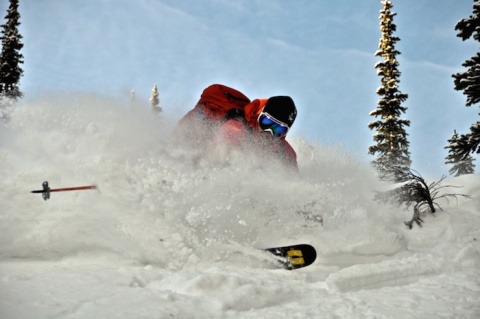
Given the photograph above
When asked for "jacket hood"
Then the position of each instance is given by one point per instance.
(252, 112)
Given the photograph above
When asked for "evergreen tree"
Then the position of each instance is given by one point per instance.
(391, 137)
(11, 58)
(461, 166)
(469, 83)
(155, 102)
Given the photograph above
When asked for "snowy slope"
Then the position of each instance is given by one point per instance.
(168, 236)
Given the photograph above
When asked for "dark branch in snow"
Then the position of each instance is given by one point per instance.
(420, 194)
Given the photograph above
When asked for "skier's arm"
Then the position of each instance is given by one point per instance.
(232, 133)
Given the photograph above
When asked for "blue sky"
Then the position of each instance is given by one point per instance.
(320, 52)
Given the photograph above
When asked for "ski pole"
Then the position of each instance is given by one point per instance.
(47, 190)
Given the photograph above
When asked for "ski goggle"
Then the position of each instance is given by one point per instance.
(269, 124)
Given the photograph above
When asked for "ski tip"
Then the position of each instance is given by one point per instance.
(294, 256)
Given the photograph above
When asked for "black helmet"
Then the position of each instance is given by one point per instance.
(282, 109)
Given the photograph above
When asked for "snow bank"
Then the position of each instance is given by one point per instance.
(167, 235)
(394, 272)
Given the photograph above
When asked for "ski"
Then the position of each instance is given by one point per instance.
(294, 256)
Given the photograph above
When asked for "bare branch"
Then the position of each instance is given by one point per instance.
(417, 192)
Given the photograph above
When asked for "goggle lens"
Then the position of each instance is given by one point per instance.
(269, 124)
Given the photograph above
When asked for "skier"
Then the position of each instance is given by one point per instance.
(225, 120)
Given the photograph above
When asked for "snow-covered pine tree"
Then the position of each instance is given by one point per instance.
(469, 83)
(11, 58)
(155, 102)
(391, 137)
(461, 166)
